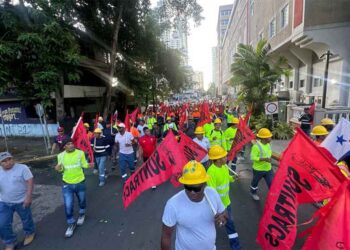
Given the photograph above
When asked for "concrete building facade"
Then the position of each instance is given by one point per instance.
(302, 31)
(198, 80)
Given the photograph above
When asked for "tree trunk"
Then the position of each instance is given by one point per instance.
(113, 63)
(60, 100)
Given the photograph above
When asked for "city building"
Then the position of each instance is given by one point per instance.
(198, 80)
(302, 31)
(176, 36)
(215, 65)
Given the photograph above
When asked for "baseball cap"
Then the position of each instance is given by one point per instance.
(4, 156)
(121, 125)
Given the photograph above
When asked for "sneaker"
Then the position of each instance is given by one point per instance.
(28, 239)
(255, 197)
(9, 247)
(101, 184)
(81, 220)
(154, 187)
(95, 171)
(70, 231)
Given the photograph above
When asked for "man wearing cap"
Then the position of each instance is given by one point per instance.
(202, 141)
(169, 125)
(101, 123)
(193, 212)
(57, 144)
(124, 141)
(71, 163)
(261, 157)
(100, 145)
(16, 186)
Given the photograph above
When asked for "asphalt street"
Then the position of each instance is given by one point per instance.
(109, 227)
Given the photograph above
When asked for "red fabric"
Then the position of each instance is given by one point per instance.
(332, 229)
(246, 119)
(304, 175)
(134, 114)
(243, 136)
(96, 121)
(166, 161)
(192, 150)
(298, 12)
(127, 121)
(148, 144)
(81, 139)
(205, 114)
(312, 110)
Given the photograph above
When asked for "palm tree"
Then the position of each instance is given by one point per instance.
(254, 73)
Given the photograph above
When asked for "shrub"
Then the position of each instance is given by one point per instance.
(283, 131)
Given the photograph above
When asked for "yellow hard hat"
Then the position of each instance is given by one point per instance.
(319, 130)
(168, 118)
(217, 120)
(193, 173)
(264, 133)
(327, 121)
(199, 131)
(233, 120)
(86, 125)
(216, 152)
(98, 130)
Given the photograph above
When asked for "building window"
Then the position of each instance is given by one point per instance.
(261, 36)
(224, 22)
(272, 28)
(251, 7)
(291, 84)
(225, 12)
(317, 82)
(302, 83)
(285, 16)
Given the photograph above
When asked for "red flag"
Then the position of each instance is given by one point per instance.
(127, 121)
(96, 120)
(332, 229)
(304, 175)
(162, 164)
(243, 136)
(134, 114)
(312, 111)
(246, 118)
(81, 140)
(205, 114)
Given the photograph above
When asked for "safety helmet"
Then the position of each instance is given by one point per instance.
(319, 130)
(327, 121)
(86, 125)
(193, 173)
(264, 133)
(168, 118)
(60, 129)
(217, 120)
(100, 119)
(233, 120)
(98, 130)
(199, 131)
(216, 152)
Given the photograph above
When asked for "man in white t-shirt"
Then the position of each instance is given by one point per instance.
(193, 212)
(202, 141)
(124, 141)
(141, 126)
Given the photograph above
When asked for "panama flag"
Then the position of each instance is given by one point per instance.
(338, 141)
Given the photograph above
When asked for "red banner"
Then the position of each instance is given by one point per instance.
(166, 161)
(243, 136)
(133, 115)
(312, 111)
(332, 229)
(81, 139)
(304, 175)
(127, 121)
(205, 114)
(96, 120)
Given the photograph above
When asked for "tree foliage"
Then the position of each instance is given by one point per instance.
(254, 73)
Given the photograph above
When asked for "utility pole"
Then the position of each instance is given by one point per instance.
(327, 55)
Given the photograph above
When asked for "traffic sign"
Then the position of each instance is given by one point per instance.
(271, 108)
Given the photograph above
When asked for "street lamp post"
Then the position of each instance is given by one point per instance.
(327, 55)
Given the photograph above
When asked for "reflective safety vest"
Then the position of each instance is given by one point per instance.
(258, 151)
(73, 163)
(167, 126)
(150, 122)
(217, 137)
(208, 127)
(220, 179)
(230, 134)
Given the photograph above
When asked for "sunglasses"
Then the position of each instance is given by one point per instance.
(195, 189)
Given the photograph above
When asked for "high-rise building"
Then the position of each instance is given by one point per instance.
(176, 36)
(223, 21)
(198, 80)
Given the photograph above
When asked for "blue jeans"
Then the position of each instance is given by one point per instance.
(231, 230)
(101, 166)
(124, 161)
(257, 176)
(6, 218)
(68, 191)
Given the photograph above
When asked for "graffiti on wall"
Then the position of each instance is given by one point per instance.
(28, 130)
(10, 114)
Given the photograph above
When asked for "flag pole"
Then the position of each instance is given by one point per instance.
(210, 203)
(75, 127)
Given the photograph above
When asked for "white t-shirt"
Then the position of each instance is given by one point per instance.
(204, 143)
(140, 129)
(126, 138)
(13, 183)
(194, 221)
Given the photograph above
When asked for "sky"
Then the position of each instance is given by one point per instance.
(203, 38)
